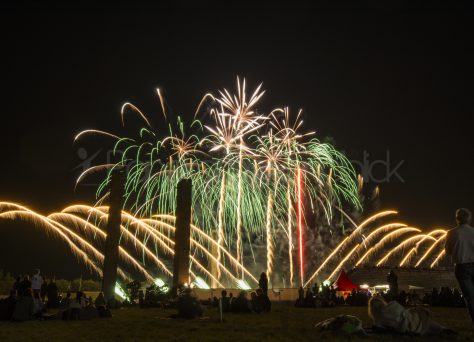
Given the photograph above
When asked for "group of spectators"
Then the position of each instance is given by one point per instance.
(358, 298)
(82, 308)
(444, 297)
(258, 302)
(327, 296)
(27, 299)
(39, 287)
(189, 306)
(30, 298)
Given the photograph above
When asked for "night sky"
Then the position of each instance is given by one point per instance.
(396, 81)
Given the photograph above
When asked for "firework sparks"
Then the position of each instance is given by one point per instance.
(248, 171)
(79, 226)
(300, 223)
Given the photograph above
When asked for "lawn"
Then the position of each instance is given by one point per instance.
(285, 323)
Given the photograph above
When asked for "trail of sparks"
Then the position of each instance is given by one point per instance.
(64, 223)
(300, 224)
(220, 232)
(239, 208)
(429, 250)
(400, 247)
(387, 238)
(348, 240)
(52, 222)
(212, 241)
(436, 260)
(414, 250)
(290, 236)
(344, 260)
(269, 235)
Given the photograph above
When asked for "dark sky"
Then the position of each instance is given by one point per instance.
(381, 80)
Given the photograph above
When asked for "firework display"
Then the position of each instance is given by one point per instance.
(147, 245)
(250, 171)
(257, 179)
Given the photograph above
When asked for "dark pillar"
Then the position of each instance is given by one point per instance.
(111, 251)
(182, 233)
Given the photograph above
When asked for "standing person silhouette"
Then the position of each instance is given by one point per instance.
(392, 281)
(36, 282)
(263, 283)
(460, 246)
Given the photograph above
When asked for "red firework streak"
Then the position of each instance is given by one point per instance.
(300, 220)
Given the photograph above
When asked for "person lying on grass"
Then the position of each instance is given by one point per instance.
(393, 317)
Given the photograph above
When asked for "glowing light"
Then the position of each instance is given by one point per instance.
(200, 283)
(159, 282)
(243, 285)
(120, 292)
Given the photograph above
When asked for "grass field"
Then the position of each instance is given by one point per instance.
(284, 323)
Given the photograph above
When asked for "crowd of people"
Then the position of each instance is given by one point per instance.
(189, 306)
(444, 297)
(39, 287)
(327, 296)
(30, 298)
(258, 302)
